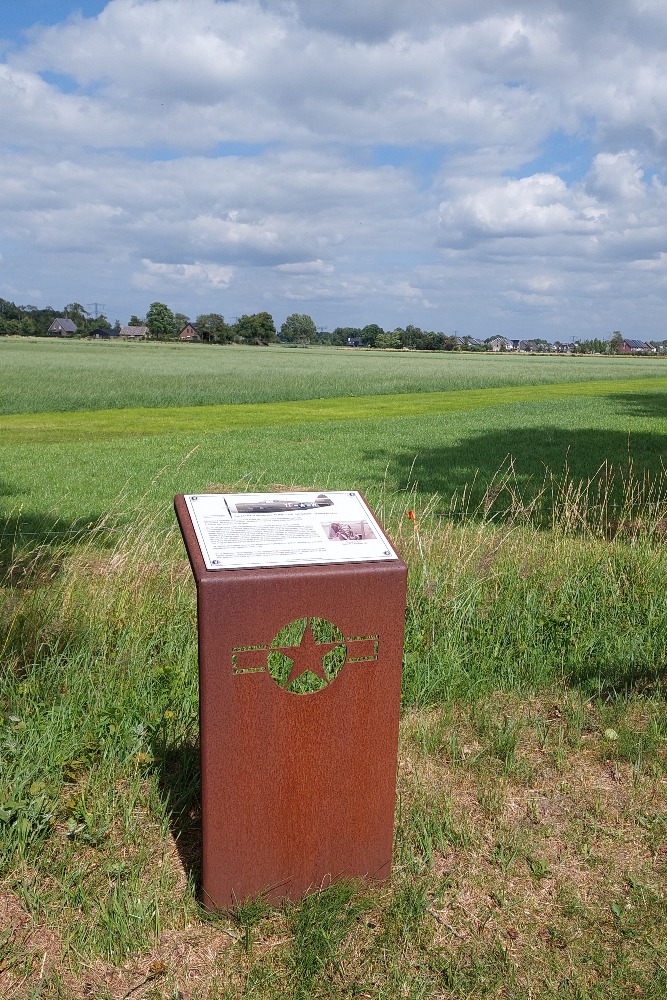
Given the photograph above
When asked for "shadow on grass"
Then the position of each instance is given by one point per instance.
(643, 404)
(644, 681)
(33, 546)
(179, 778)
(556, 454)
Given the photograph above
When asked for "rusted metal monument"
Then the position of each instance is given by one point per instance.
(300, 675)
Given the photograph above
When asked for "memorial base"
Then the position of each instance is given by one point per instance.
(298, 789)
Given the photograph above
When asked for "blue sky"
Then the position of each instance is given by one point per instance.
(18, 16)
(487, 166)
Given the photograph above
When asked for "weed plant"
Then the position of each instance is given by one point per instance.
(531, 841)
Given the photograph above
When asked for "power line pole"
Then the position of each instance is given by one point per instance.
(97, 306)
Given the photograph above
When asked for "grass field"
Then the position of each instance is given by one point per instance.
(71, 468)
(50, 375)
(531, 839)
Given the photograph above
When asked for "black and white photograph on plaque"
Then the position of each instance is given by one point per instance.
(280, 505)
(357, 531)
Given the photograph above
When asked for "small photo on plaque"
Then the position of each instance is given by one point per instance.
(356, 531)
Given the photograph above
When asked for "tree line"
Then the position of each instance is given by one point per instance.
(259, 328)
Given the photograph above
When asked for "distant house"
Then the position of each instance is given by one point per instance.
(189, 332)
(104, 333)
(134, 332)
(467, 342)
(500, 344)
(62, 327)
(635, 347)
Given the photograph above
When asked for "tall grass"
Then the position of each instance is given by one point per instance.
(531, 587)
(519, 592)
(45, 375)
(523, 588)
(99, 713)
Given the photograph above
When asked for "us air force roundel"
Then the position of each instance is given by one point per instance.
(306, 655)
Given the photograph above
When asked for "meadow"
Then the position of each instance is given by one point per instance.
(39, 375)
(531, 839)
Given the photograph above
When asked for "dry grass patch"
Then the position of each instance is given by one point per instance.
(530, 861)
(565, 868)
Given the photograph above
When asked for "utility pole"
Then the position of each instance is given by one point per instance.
(97, 306)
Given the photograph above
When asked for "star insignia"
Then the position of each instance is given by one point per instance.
(307, 656)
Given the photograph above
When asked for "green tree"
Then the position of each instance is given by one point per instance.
(212, 328)
(384, 340)
(614, 346)
(412, 336)
(370, 333)
(135, 321)
(257, 328)
(342, 334)
(26, 321)
(298, 329)
(161, 322)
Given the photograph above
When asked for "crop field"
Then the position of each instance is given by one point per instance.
(51, 375)
(531, 833)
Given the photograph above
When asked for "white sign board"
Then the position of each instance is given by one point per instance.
(246, 530)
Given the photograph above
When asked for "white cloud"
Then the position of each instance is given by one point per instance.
(617, 177)
(306, 267)
(157, 276)
(540, 205)
(376, 161)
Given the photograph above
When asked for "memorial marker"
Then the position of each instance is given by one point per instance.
(301, 602)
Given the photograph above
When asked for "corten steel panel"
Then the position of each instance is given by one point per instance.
(298, 790)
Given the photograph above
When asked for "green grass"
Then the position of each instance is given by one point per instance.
(45, 375)
(452, 455)
(96, 425)
(531, 842)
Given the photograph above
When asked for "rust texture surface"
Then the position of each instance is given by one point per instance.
(298, 789)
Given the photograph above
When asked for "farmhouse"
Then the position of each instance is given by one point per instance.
(62, 327)
(464, 342)
(634, 347)
(134, 332)
(501, 344)
(189, 332)
(104, 333)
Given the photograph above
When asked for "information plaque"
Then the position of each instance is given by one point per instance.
(301, 609)
(247, 530)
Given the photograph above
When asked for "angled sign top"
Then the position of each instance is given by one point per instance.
(251, 530)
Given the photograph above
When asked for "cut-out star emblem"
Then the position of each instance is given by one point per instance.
(307, 656)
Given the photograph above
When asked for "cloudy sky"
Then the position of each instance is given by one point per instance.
(479, 166)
